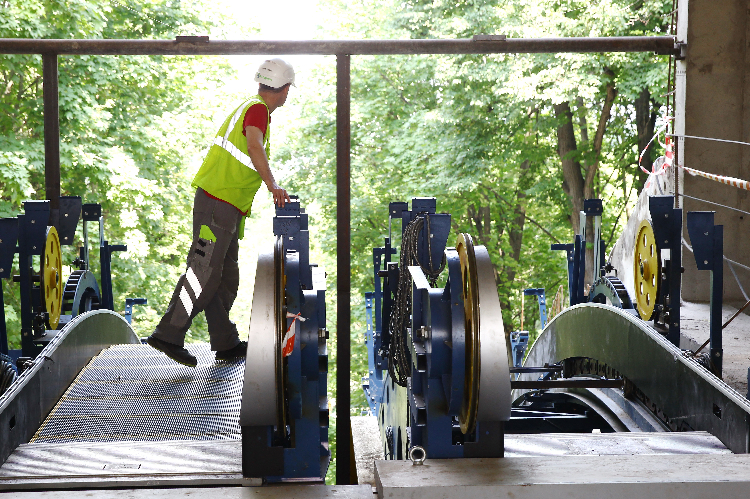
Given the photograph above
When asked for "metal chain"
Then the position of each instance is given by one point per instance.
(399, 365)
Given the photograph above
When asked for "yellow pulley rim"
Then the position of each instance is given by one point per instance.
(51, 282)
(467, 417)
(646, 264)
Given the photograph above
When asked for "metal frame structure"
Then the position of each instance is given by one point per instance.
(343, 50)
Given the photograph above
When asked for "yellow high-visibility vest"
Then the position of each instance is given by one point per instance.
(227, 171)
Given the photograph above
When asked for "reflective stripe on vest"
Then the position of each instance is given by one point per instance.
(233, 150)
(236, 152)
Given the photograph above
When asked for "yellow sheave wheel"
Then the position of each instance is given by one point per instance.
(646, 264)
(52, 285)
(468, 413)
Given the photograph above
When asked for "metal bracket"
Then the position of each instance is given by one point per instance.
(129, 302)
(680, 51)
(708, 249)
(667, 224)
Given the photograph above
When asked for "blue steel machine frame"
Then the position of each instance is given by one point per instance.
(430, 409)
(291, 441)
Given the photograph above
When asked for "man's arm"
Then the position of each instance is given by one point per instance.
(257, 154)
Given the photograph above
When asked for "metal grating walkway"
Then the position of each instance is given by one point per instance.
(135, 393)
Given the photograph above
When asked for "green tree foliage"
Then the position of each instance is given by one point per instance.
(129, 127)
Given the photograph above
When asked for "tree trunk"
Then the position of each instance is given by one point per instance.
(577, 186)
(609, 99)
(515, 234)
(480, 218)
(571, 168)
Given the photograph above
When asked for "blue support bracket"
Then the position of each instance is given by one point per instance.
(519, 341)
(572, 268)
(105, 260)
(539, 293)
(708, 249)
(129, 302)
(667, 224)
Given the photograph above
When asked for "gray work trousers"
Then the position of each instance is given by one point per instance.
(211, 278)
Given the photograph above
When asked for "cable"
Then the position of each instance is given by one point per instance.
(399, 357)
(709, 138)
(715, 204)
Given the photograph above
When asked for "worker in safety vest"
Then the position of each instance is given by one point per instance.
(226, 183)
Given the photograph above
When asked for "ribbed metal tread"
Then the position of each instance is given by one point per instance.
(135, 393)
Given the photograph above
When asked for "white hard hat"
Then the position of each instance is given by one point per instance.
(275, 73)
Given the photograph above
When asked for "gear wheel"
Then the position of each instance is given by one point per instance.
(81, 293)
(611, 289)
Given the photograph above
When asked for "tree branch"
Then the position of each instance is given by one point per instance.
(390, 82)
(609, 100)
(501, 198)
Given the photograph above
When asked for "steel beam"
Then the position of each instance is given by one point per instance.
(343, 269)
(565, 383)
(51, 137)
(201, 46)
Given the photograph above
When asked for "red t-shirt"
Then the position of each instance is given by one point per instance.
(257, 116)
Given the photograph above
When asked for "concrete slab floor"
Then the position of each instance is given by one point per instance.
(694, 318)
(266, 492)
(614, 477)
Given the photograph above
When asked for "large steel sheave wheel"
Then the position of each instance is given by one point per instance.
(470, 293)
(646, 263)
(264, 400)
(51, 279)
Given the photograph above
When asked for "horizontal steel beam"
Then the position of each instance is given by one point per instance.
(551, 369)
(202, 46)
(565, 383)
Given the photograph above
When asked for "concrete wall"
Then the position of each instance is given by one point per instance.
(713, 100)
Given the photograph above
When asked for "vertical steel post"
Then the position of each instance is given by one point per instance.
(717, 293)
(51, 137)
(675, 274)
(3, 331)
(343, 269)
(708, 250)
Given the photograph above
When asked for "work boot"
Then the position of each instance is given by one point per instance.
(236, 352)
(174, 352)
